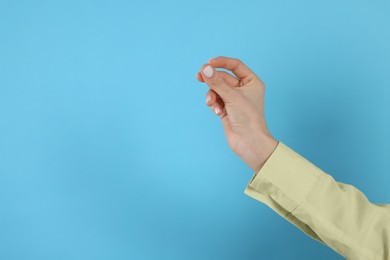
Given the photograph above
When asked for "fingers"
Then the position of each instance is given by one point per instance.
(218, 106)
(235, 65)
(229, 79)
(199, 77)
(215, 102)
(214, 79)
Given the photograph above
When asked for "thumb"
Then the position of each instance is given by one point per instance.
(214, 80)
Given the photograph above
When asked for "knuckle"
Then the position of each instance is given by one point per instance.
(260, 83)
(218, 82)
(237, 64)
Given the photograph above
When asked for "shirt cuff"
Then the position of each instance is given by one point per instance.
(285, 178)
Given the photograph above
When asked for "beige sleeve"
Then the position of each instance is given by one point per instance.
(333, 213)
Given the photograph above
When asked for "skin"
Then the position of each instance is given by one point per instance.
(238, 100)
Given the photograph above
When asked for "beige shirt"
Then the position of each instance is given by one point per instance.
(333, 213)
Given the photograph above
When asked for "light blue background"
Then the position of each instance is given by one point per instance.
(108, 151)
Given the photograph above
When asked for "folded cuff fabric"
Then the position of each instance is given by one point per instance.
(333, 213)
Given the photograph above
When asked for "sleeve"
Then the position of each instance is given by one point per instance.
(333, 213)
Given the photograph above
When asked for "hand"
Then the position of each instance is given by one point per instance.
(239, 102)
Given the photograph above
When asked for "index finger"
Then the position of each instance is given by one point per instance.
(234, 65)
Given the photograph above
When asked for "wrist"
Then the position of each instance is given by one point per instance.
(265, 150)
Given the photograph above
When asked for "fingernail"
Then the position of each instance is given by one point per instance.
(217, 110)
(208, 71)
(208, 98)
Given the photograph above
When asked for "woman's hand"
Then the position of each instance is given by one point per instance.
(239, 102)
